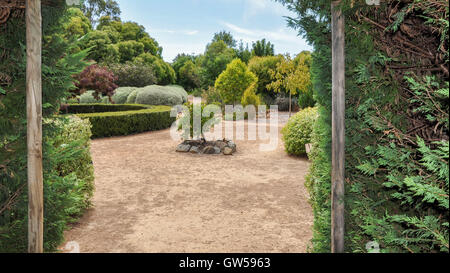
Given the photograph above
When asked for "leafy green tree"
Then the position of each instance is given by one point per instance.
(101, 47)
(292, 75)
(162, 70)
(232, 82)
(226, 37)
(263, 48)
(129, 50)
(76, 25)
(94, 9)
(250, 97)
(189, 76)
(262, 66)
(243, 53)
(215, 60)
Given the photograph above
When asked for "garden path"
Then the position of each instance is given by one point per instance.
(151, 199)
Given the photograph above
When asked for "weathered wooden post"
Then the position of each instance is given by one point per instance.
(338, 129)
(34, 126)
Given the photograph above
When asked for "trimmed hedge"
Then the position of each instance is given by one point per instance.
(129, 119)
(102, 108)
(297, 132)
(121, 94)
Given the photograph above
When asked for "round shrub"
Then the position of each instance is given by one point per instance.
(297, 132)
(121, 94)
(88, 97)
(180, 90)
(132, 97)
(158, 95)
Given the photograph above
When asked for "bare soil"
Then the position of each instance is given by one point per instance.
(151, 199)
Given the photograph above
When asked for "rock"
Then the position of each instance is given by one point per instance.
(183, 148)
(209, 150)
(194, 150)
(227, 151)
(232, 146)
(220, 144)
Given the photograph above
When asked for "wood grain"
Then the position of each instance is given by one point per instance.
(338, 130)
(34, 126)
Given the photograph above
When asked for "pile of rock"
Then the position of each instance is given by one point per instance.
(225, 147)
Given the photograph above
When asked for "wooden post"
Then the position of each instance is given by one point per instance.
(34, 126)
(338, 129)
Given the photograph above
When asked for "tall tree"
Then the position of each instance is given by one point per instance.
(226, 37)
(215, 60)
(243, 53)
(263, 48)
(94, 9)
(232, 83)
(292, 75)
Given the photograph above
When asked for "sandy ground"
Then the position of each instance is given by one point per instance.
(151, 199)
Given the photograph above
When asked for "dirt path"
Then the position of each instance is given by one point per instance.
(150, 199)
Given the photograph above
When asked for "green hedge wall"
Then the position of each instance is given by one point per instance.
(397, 175)
(130, 119)
(102, 108)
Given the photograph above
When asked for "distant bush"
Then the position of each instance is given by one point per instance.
(88, 97)
(297, 132)
(283, 103)
(133, 74)
(148, 118)
(212, 95)
(306, 99)
(159, 95)
(121, 94)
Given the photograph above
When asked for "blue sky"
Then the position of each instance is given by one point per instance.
(187, 26)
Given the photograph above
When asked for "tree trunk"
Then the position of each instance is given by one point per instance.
(290, 104)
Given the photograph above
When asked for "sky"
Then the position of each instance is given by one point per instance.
(187, 26)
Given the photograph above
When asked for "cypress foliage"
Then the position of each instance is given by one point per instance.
(68, 172)
(397, 112)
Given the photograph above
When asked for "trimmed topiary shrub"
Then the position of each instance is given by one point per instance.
(88, 97)
(121, 94)
(180, 90)
(158, 95)
(130, 119)
(132, 97)
(102, 108)
(297, 132)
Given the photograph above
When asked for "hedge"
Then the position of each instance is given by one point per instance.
(297, 132)
(68, 186)
(102, 108)
(130, 119)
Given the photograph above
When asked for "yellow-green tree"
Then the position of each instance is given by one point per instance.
(292, 75)
(232, 82)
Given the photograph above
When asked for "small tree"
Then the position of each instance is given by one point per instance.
(232, 83)
(187, 120)
(292, 75)
(96, 78)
